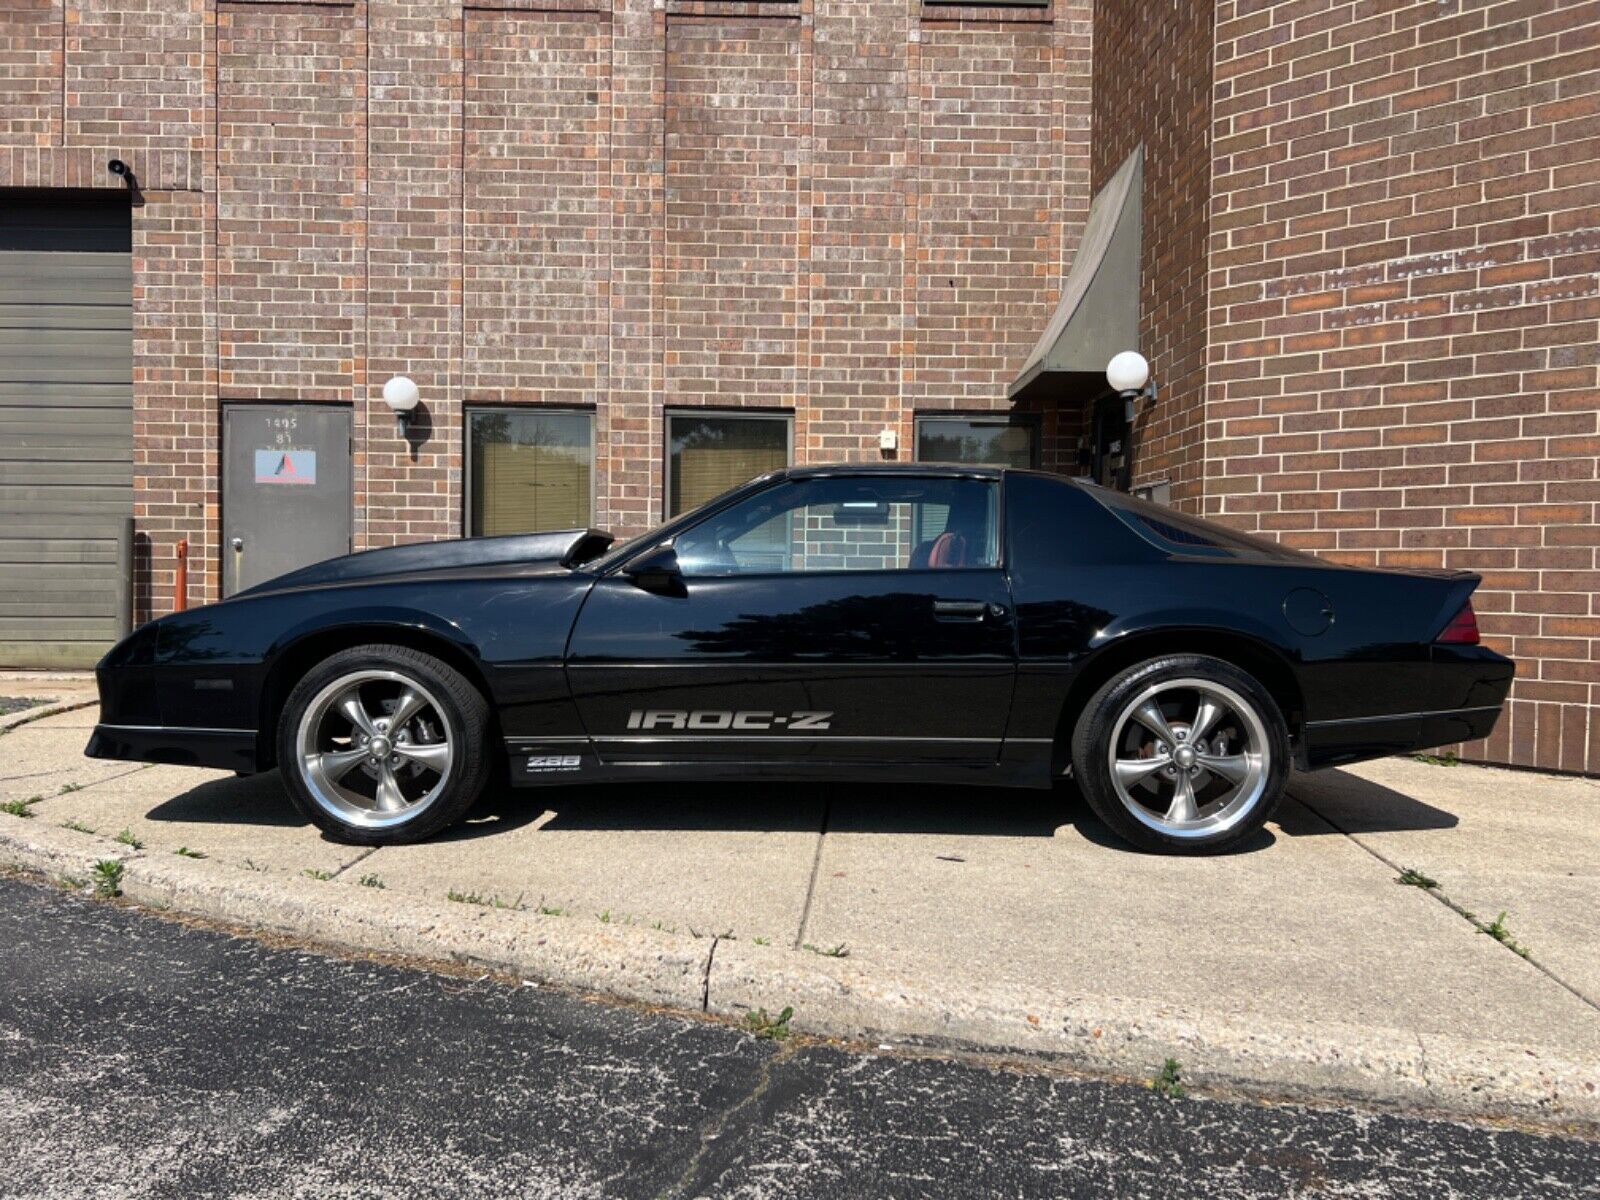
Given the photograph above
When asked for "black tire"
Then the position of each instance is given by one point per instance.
(1134, 810)
(455, 715)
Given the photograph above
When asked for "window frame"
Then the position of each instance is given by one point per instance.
(468, 466)
(786, 415)
(1028, 421)
(995, 481)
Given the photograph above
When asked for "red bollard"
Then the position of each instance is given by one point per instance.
(180, 586)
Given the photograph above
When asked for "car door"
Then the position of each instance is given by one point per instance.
(835, 619)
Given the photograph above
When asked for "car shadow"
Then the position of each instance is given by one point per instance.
(764, 807)
(846, 808)
(252, 800)
(1335, 801)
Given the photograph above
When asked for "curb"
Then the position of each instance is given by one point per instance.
(726, 978)
(29, 715)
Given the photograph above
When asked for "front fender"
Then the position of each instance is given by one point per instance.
(392, 617)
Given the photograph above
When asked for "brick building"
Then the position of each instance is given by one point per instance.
(630, 249)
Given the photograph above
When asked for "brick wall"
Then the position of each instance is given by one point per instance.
(737, 209)
(851, 209)
(1405, 314)
(1152, 86)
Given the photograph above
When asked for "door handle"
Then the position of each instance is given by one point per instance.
(959, 610)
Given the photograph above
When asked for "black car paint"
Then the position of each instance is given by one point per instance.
(569, 651)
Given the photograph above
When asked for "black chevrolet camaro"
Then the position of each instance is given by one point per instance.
(892, 623)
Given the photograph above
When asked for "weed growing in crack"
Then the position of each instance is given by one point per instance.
(76, 826)
(371, 881)
(127, 839)
(839, 951)
(1447, 759)
(319, 875)
(68, 788)
(107, 879)
(17, 808)
(1167, 1082)
(483, 901)
(1498, 931)
(1416, 879)
(768, 1029)
(188, 853)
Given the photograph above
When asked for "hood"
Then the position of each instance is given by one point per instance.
(561, 548)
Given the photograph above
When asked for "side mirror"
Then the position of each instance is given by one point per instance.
(656, 570)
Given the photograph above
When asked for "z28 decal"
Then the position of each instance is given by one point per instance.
(701, 719)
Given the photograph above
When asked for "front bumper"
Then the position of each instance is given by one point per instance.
(227, 749)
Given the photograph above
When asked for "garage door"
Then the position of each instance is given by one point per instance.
(66, 424)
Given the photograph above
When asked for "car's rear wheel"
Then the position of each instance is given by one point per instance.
(381, 744)
(1183, 754)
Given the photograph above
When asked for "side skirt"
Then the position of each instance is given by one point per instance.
(546, 762)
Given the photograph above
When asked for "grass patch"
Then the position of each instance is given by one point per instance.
(1498, 931)
(127, 839)
(318, 875)
(19, 808)
(188, 853)
(760, 941)
(1416, 879)
(107, 879)
(1168, 1081)
(1447, 759)
(76, 826)
(371, 881)
(839, 951)
(767, 1028)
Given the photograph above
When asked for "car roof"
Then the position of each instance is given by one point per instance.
(819, 470)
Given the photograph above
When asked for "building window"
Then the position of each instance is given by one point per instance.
(529, 469)
(708, 453)
(978, 441)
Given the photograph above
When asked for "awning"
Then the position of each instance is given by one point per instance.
(1099, 310)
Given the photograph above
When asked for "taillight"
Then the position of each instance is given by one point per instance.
(1463, 628)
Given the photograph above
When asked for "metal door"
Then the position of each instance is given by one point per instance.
(66, 425)
(285, 490)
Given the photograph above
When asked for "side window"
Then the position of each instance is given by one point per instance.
(867, 523)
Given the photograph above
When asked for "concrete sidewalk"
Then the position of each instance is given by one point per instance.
(1008, 920)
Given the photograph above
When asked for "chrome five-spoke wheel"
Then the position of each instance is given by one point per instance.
(1189, 757)
(374, 748)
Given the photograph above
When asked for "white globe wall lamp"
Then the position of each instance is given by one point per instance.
(1128, 374)
(401, 395)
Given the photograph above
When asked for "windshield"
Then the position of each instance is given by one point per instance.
(628, 548)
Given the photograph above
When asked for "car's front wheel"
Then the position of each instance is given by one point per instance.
(1183, 754)
(381, 744)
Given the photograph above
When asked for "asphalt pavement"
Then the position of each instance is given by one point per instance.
(144, 1057)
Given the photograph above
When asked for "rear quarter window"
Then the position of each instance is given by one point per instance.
(1053, 523)
(1178, 533)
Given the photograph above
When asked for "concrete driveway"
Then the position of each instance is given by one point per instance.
(1009, 892)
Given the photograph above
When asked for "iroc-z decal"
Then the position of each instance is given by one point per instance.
(714, 719)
